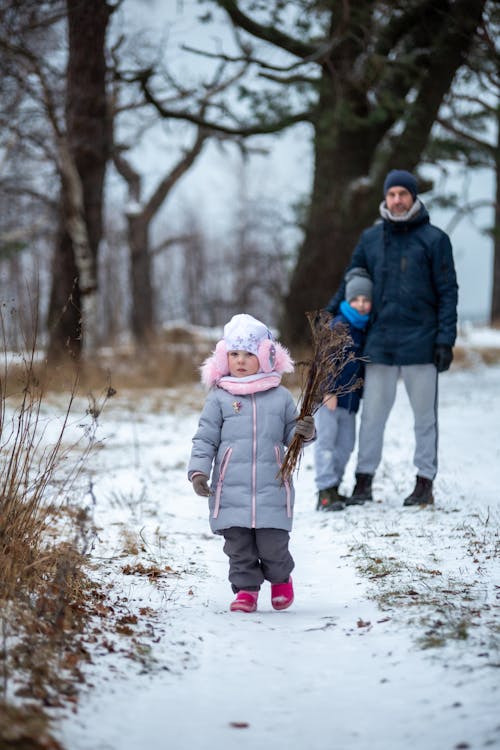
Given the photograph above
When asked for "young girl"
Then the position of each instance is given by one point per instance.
(247, 421)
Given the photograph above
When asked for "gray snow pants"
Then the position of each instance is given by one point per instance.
(256, 555)
(379, 393)
(336, 434)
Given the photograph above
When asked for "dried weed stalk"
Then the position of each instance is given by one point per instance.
(331, 352)
(28, 467)
(44, 540)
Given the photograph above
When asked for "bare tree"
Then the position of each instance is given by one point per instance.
(70, 132)
(139, 215)
(369, 77)
(244, 269)
(28, 175)
(83, 151)
(141, 211)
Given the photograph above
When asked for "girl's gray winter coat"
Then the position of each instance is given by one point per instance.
(244, 439)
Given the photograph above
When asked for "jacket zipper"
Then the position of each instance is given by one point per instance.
(254, 462)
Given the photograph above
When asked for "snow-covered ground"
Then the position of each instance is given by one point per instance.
(346, 667)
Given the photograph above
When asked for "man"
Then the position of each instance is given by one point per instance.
(412, 331)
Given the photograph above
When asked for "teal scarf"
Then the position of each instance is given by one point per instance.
(353, 316)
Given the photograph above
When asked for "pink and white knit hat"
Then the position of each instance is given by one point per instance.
(245, 333)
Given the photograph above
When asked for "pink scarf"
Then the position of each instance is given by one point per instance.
(262, 381)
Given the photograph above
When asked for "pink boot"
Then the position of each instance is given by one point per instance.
(246, 601)
(282, 594)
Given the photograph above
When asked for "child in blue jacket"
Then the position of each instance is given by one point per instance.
(336, 417)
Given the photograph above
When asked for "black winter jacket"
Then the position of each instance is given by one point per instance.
(415, 290)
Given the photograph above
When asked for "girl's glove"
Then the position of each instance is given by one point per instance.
(305, 428)
(200, 485)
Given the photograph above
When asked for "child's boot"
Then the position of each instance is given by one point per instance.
(246, 601)
(282, 594)
(329, 499)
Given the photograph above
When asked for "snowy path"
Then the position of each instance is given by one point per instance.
(334, 671)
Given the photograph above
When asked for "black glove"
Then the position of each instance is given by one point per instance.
(443, 357)
(200, 485)
(305, 427)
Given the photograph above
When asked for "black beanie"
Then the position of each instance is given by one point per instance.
(401, 178)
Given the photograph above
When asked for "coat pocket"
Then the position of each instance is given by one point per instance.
(220, 481)
(286, 483)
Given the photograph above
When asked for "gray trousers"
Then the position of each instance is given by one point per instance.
(256, 555)
(379, 393)
(336, 434)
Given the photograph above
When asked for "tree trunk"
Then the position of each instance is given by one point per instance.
(495, 304)
(64, 317)
(83, 158)
(142, 310)
(332, 224)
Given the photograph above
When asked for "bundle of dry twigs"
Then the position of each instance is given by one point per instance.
(331, 352)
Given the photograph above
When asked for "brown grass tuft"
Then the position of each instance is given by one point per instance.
(44, 588)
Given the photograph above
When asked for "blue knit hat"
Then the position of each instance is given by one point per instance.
(401, 178)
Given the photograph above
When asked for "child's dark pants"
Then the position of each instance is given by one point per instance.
(256, 555)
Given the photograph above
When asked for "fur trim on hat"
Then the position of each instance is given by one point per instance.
(273, 357)
(215, 366)
(283, 361)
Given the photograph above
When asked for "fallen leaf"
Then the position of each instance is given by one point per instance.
(362, 624)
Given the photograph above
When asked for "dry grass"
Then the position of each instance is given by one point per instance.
(468, 357)
(22, 730)
(122, 368)
(443, 604)
(172, 360)
(45, 593)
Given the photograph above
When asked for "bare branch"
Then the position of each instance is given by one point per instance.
(179, 239)
(484, 145)
(466, 210)
(289, 80)
(215, 127)
(174, 175)
(32, 65)
(249, 60)
(267, 33)
(131, 177)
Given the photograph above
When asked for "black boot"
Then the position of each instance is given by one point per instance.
(362, 490)
(422, 493)
(329, 499)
